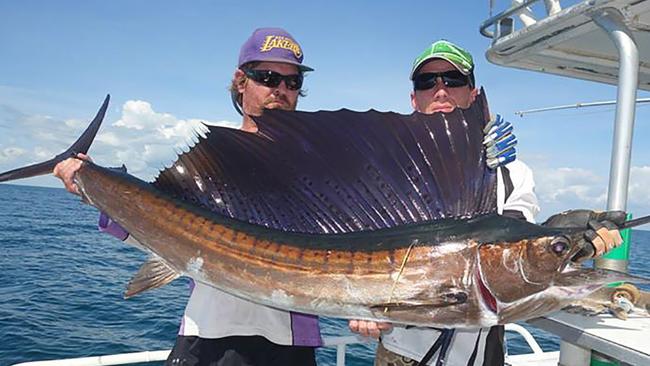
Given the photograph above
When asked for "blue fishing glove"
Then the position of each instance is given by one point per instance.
(601, 230)
(499, 142)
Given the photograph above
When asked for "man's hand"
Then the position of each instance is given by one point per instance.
(603, 235)
(66, 170)
(368, 328)
(602, 230)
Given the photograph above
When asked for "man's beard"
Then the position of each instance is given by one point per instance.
(281, 101)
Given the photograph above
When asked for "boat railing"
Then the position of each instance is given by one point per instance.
(503, 22)
(530, 340)
(157, 356)
(340, 343)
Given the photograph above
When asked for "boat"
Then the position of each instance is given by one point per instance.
(606, 41)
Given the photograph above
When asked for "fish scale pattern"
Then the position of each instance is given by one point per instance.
(341, 171)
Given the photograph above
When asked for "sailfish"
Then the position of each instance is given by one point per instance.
(359, 215)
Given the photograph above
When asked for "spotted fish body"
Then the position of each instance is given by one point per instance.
(354, 215)
(353, 275)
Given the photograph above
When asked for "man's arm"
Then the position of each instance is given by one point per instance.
(518, 188)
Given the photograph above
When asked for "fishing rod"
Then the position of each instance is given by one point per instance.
(635, 222)
(577, 105)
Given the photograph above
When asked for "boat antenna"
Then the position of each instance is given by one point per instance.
(577, 105)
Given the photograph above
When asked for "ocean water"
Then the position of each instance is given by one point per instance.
(61, 285)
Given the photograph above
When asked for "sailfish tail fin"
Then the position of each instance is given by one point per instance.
(80, 146)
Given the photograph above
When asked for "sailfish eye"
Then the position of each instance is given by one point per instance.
(560, 245)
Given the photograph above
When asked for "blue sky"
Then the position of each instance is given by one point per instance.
(167, 66)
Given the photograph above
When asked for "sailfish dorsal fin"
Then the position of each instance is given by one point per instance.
(341, 171)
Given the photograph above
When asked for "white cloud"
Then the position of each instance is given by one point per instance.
(563, 188)
(640, 182)
(76, 123)
(139, 115)
(145, 140)
(569, 185)
(132, 158)
(42, 153)
(639, 191)
(108, 138)
(9, 153)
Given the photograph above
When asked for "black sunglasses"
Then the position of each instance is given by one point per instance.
(273, 79)
(451, 79)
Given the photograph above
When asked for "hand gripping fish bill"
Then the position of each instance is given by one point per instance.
(359, 215)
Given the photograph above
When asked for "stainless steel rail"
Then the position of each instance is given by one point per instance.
(502, 15)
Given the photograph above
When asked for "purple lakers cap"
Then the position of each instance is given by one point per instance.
(272, 45)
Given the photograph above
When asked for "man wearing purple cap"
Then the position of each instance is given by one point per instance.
(268, 57)
(221, 329)
(218, 328)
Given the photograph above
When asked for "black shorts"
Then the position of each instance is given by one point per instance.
(237, 351)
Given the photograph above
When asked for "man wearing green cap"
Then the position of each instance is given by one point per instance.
(443, 80)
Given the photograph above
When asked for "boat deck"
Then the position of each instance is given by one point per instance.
(625, 340)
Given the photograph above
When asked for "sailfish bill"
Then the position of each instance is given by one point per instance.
(363, 215)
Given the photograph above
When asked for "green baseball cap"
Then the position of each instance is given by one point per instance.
(457, 56)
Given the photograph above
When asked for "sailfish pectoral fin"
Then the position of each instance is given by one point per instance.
(154, 273)
(445, 299)
(80, 146)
